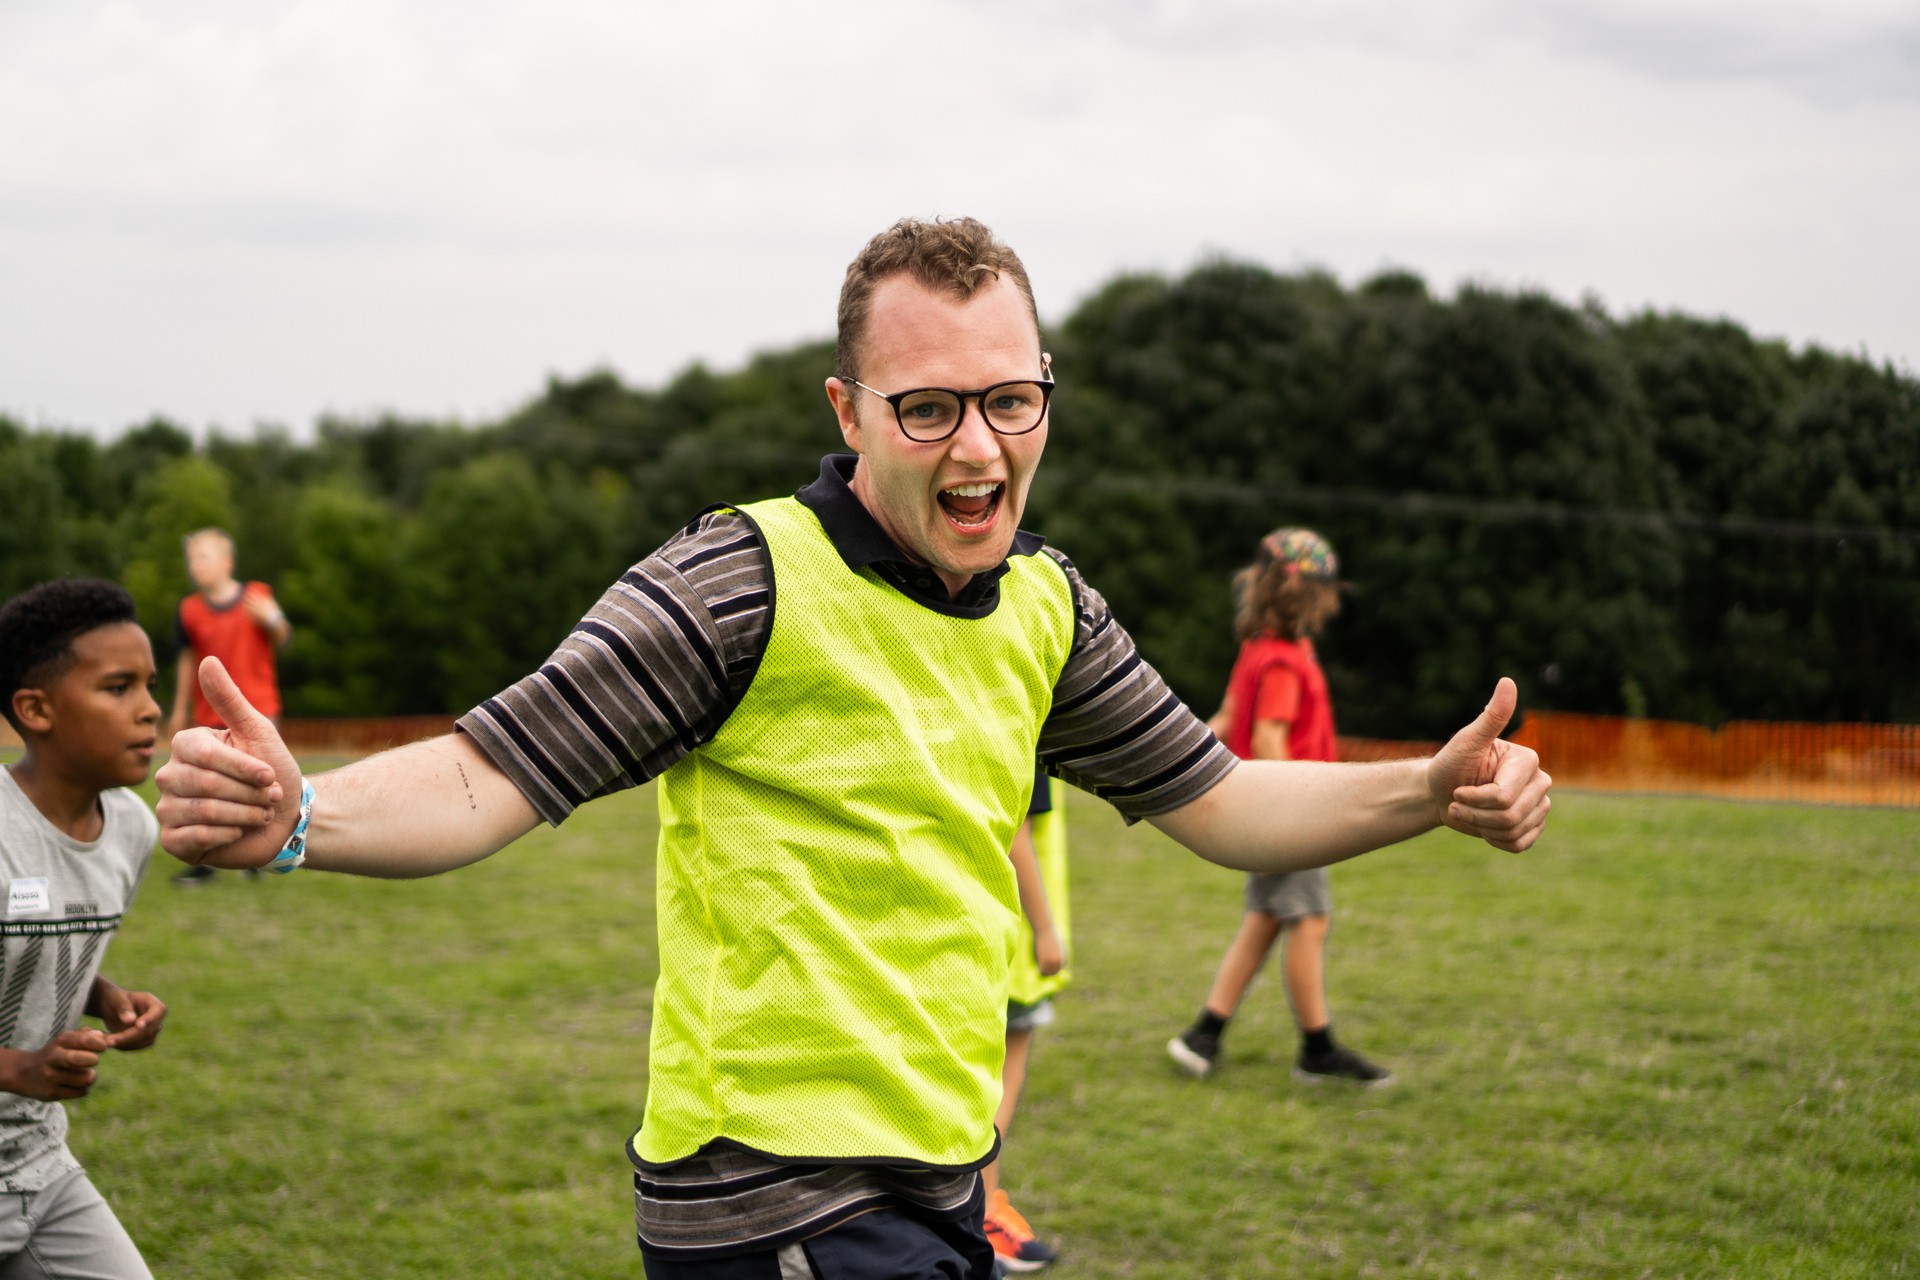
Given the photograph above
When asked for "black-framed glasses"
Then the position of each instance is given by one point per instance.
(930, 414)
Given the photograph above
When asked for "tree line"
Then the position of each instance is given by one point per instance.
(1653, 514)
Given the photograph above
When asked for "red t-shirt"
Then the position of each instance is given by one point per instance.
(229, 633)
(1276, 679)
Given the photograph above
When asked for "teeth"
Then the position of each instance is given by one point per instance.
(970, 490)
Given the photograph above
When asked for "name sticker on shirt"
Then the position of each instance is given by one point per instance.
(28, 897)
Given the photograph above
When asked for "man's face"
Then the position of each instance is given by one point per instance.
(209, 562)
(952, 504)
(99, 714)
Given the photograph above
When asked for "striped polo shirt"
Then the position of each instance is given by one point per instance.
(653, 671)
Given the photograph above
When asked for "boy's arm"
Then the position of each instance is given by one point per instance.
(62, 1068)
(266, 614)
(231, 798)
(133, 1018)
(1221, 721)
(1270, 739)
(183, 681)
(1047, 951)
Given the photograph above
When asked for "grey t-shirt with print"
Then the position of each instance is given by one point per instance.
(64, 899)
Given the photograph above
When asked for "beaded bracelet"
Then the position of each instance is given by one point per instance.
(294, 851)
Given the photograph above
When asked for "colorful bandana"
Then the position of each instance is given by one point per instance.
(1300, 551)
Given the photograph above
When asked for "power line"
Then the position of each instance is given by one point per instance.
(1522, 511)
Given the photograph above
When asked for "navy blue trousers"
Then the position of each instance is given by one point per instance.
(884, 1244)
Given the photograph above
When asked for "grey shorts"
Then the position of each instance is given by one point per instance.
(65, 1230)
(1029, 1017)
(1291, 894)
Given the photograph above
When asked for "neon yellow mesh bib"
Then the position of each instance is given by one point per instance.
(1028, 985)
(836, 908)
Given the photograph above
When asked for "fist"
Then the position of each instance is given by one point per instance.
(260, 604)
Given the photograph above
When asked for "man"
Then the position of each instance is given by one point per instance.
(841, 693)
(237, 622)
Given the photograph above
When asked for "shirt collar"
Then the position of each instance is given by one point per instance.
(861, 542)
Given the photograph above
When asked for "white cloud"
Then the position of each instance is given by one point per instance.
(1827, 48)
(226, 211)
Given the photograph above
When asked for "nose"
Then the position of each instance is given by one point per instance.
(973, 441)
(150, 713)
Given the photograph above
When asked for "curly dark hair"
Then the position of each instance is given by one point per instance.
(38, 628)
(1271, 601)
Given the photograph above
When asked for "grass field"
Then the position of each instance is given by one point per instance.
(1677, 1039)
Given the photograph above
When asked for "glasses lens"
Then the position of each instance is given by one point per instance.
(1013, 407)
(929, 415)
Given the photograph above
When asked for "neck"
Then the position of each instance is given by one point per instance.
(955, 583)
(221, 591)
(69, 804)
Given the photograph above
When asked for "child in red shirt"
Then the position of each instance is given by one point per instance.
(239, 623)
(1277, 708)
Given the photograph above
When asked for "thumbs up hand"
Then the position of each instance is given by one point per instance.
(1488, 787)
(228, 797)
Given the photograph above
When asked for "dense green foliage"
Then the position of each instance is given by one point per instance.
(1651, 515)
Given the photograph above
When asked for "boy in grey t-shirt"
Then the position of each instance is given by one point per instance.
(76, 675)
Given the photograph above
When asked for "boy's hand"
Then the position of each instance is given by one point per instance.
(1487, 787)
(63, 1069)
(228, 797)
(1048, 953)
(259, 604)
(265, 612)
(133, 1018)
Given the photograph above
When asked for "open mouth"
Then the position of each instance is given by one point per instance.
(971, 506)
(143, 749)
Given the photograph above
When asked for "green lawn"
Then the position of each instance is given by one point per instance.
(1678, 1039)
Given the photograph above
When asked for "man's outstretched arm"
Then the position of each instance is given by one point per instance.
(230, 798)
(1287, 815)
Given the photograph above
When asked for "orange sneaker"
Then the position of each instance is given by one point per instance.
(1013, 1240)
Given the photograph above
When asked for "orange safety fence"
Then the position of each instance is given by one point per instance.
(1363, 749)
(1855, 764)
(331, 736)
(347, 737)
(1851, 764)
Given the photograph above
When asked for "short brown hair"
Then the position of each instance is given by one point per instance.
(954, 255)
(1271, 600)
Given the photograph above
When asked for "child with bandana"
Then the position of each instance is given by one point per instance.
(1277, 708)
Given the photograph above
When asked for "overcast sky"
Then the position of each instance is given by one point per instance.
(265, 210)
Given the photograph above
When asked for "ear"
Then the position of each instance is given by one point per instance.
(846, 412)
(33, 709)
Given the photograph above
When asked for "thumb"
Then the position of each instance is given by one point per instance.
(1499, 710)
(1463, 760)
(224, 696)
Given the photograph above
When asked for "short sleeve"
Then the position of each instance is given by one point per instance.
(651, 673)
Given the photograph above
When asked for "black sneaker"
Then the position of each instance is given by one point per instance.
(1339, 1063)
(195, 876)
(1193, 1052)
